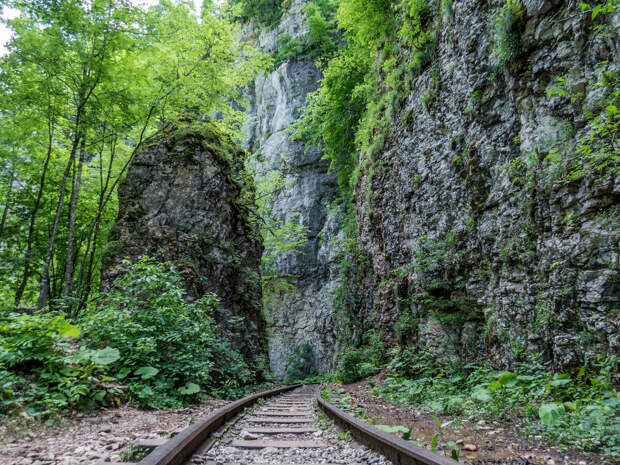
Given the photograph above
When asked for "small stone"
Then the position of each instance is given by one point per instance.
(550, 462)
(470, 447)
(248, 436)
(582, 462)
(459, 442)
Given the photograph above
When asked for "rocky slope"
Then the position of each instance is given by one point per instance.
(479, 244)
(188, 200)
(303, 314)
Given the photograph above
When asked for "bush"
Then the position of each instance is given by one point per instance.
(265, 12)
(40, 371)
(300, 363)
(507, 38)
(170, 350)
(361, 362)
(580, 409)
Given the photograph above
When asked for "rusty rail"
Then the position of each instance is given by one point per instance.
(396, 449)
(179, 448)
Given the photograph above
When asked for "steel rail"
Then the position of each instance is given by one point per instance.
(176, 450)
(396, 449)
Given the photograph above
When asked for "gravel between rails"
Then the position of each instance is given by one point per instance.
(336, 450)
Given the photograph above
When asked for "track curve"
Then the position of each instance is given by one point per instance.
(284, 431)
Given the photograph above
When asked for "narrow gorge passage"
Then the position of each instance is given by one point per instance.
(286, 430)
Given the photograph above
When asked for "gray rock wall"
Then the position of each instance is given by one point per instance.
(304, 314)
(477, 247)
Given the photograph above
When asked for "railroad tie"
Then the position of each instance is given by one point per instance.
(278, 444)
(281, 420)
(274, 430)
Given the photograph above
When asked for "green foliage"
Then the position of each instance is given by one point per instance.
(40, 372)
(144, 335)
(91, 80)
(300, 363)
(579, 409)
(265, 12)
(170, 350)
(361, 362)
(365, 83)
(507, 38)
(132, 453)
(596, 153)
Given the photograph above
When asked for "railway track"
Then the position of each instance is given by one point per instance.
(286, 426)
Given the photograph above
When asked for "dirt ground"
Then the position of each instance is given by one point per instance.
(490, 442)
(91, 438)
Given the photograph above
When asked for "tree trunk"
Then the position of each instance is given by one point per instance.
(22, 286)
(5, 212)
(75, 193)
(45, 275)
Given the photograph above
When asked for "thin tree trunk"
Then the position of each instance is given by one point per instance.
(87, 285)
(75, 193)
(8, 203)
(37, 203)
(45, 275)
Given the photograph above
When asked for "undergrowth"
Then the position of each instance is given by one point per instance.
(580, 409)
(142, 342)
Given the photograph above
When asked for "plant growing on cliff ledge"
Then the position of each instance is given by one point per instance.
(507, 37)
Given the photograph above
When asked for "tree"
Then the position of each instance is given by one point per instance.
(85, 81)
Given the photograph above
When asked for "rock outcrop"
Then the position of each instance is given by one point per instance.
(188, 200)
(304, 312)
(479, 243)
(471, 243)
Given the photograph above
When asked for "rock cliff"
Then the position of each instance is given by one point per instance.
(479, 241)
(188, 200)
(303, 313)
(473, 240)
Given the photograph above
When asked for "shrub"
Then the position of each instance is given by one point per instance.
(507, 37)
(301, 363)
(40, 371)
(170, 350)
(361, 362)
(266, 12)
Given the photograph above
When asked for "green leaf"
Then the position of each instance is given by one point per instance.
(407, 435)
(559, 382)
(434, 442)
(551, 413)
(66, 329)
(123, 372)
(508, 379)
(481, 394)
(436, 420)
(392, 429)
(189, 388)
(105, 356)
(584, 6)
(146, 372)
(596, 11)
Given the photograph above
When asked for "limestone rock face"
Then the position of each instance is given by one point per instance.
(469, 248)
(187, 199)
(305, 313)
(475, 241)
